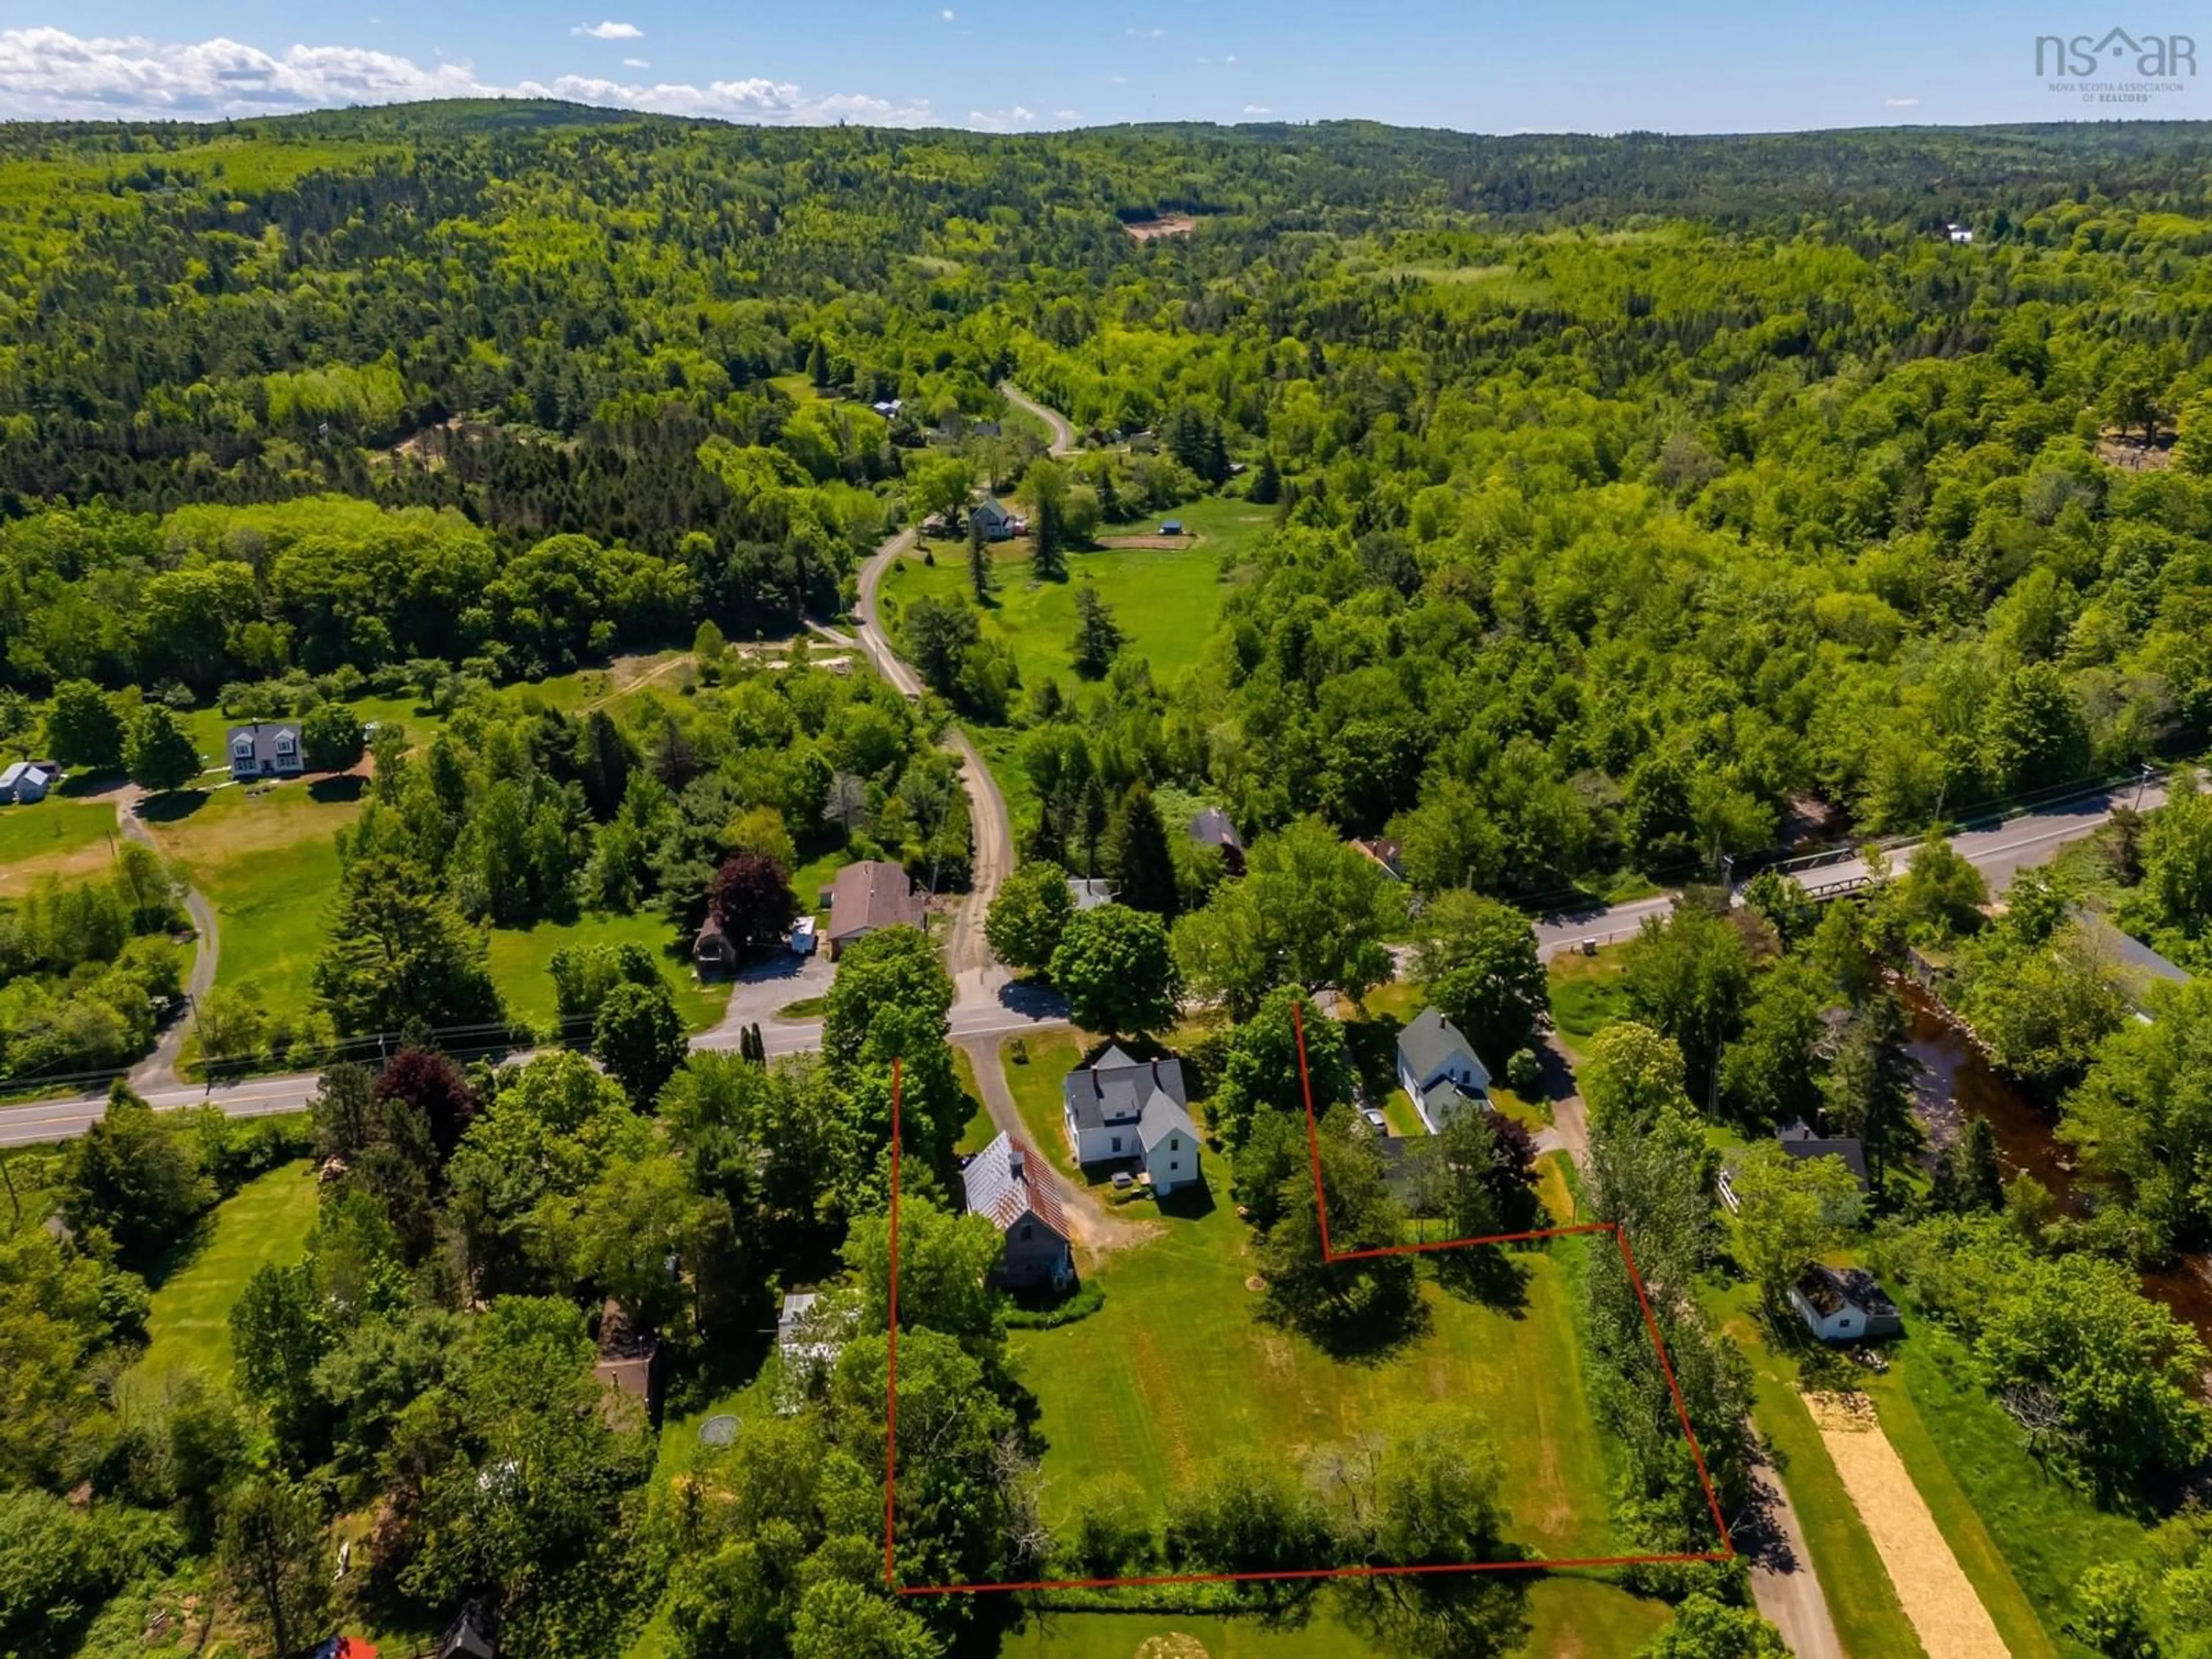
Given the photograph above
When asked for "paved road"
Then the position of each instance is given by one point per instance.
(2000, 852)
(1063, 434)
(1783, 1586)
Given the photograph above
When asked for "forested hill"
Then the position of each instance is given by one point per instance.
(1638, 485)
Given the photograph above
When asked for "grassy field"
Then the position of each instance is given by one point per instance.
(1866, 1612)
(519, 958)
(269, 865)
(1166, 600)
(67, 838)
(266, 1221)
(2022, 1535)
(979, 1130)
(1036, 1086)
(1175, 1368)
(1586, 996)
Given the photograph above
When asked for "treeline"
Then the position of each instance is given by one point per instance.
(86, 969)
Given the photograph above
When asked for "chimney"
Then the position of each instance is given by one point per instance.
(1014, 1162)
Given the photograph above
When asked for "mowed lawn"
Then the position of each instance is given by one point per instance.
(55, 836)
(1165, 600)
(1176, 1369)
(265, 1222)
(269, 863)
(1037, 1085)
(520, 959)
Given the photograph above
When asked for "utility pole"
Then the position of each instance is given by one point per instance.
(2141, 784)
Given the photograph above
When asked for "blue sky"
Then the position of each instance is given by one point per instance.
(1583, 65)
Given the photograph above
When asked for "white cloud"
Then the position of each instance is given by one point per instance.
(47, 72)
(946, 13)
(1119, 80)
(1231, 58)
(635, 63)
(1145, 34)
(1002, 121)
(1205, 60)
(1257, 109)
(610, 31)
(1067, 115)
(1901, 103)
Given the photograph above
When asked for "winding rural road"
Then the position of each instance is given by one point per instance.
(1063, 434)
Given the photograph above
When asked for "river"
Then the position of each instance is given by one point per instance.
(1956, 1083)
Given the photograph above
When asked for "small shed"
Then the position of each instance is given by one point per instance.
(1843, 1304)
(26, 782)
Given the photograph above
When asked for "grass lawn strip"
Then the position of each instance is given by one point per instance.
(1037, 1089)
(266, 1223)
(55, 837)
(1931, 1586)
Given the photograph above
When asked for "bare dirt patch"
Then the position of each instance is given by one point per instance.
(1174, 1645)
(1172, 224)
(1158, 543)
(1935, 1593)
(2128, 450)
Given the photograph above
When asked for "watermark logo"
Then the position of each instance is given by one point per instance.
(2117, 67)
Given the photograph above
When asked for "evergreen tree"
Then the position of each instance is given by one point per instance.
(981, 578)
(1047, 542)
(1267, 482)
(817, 364)
(1137, 857)
(1984, 1179)
(1870, 1086)
(1099, 638)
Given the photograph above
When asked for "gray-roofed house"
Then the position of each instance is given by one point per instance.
(1211, 827)
(868, 897)
(1007, 1182)
(999, 525)
(266, 749)
(1122, 1109)
(1843, 1304)
(1799, 1140)
(1089, 892)
(1439, 1070)
(26, 782)
(2143, 969)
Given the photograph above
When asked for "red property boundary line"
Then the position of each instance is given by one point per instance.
(1727, 1551)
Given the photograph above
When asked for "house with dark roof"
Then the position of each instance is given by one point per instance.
(1439, 1070)
(712, 952)
(1387, 851)
(1119, 1109)
(1211, 827)
(1843, 1304)
(266, 750)
(1800, 1140)
(2141, 968)
(1007, 1182)
(868, 897)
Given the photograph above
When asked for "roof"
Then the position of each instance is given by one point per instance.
(36, 771)
(2132, 952)
(1799, 1141)
(1163, 1117)
(1827, 1290)
(1088, 894)
(1212, 826)
(1385, 850)
(1432, 1042)
(263, 735)
(1007, 1181)
(344, 1647)
(870, 895)
(1443, 1097)
(1117, 1090)
(988, 509)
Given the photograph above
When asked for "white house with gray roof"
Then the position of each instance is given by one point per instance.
(266, 749)
(1124, 1109)
(1439, 1070)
